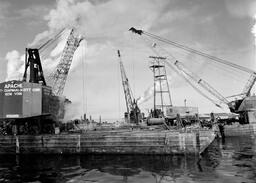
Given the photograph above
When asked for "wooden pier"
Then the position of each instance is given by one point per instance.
(111, 142)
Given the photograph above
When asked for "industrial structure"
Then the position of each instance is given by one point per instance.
(59, 76)
(162, 96)
(31, 109)
(31, 106)
(245, 106)
(133, 114)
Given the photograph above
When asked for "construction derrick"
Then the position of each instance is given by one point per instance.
(244, 106)
(59, 76)
(251, 81)
(190, 77)
(133, 112)
(161, 86)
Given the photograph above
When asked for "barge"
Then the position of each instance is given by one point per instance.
(111, 142)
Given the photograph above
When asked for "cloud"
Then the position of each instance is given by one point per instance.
(4, 6)
(34, 12)
(94, 20)
(105, 24)
(244, 8)
(101, 19)
(15, 65)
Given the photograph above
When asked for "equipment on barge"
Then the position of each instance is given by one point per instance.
(133, 114)
(245, 105)
(30, 106)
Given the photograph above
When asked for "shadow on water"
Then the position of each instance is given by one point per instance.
(231, 161)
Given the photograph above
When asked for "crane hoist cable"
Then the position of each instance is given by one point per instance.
(51, 40)
(194, 76)
(184, 76)
(191, 50)
(180, 69)
(251, 81)
(48, 47)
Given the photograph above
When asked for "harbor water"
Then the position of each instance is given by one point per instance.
(232, 160)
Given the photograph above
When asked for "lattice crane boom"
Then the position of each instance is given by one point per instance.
(127, 91)
(201, 82)
(250, 83)
(191, 50)
(190, 76)
(247, 89)
(59, 77)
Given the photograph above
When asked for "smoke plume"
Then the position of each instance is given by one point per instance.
(72, 111)
(95, 20)
(148, 94)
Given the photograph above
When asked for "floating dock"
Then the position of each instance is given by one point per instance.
(111, 142)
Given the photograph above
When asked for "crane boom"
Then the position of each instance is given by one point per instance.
(201, 82)
(190, 76)
(59, 77)
(127, 91)
(133, 111)
(248, 87)
(191, 50)
(245, 106)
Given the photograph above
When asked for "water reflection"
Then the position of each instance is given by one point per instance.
(231, 161)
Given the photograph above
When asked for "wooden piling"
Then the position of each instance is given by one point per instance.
(78, 149)
(197, 142)
(17, 145)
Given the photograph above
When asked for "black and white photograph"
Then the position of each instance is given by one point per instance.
(128, 91)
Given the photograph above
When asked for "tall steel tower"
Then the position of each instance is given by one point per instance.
(162, 96)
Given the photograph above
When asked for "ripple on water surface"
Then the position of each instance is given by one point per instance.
(231, 161)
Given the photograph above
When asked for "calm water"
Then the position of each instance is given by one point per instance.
(231, 161)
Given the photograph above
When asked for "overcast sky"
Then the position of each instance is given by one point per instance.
(219, 27)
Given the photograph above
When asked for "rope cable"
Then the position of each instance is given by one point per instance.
(51, 39)
(184, 76)
(191, 50)
(83, 78)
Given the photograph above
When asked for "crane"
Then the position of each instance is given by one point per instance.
(59, 76)
(251, 81)
(34, 110)
(237, 106)
(192, 78)
(133, 111)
